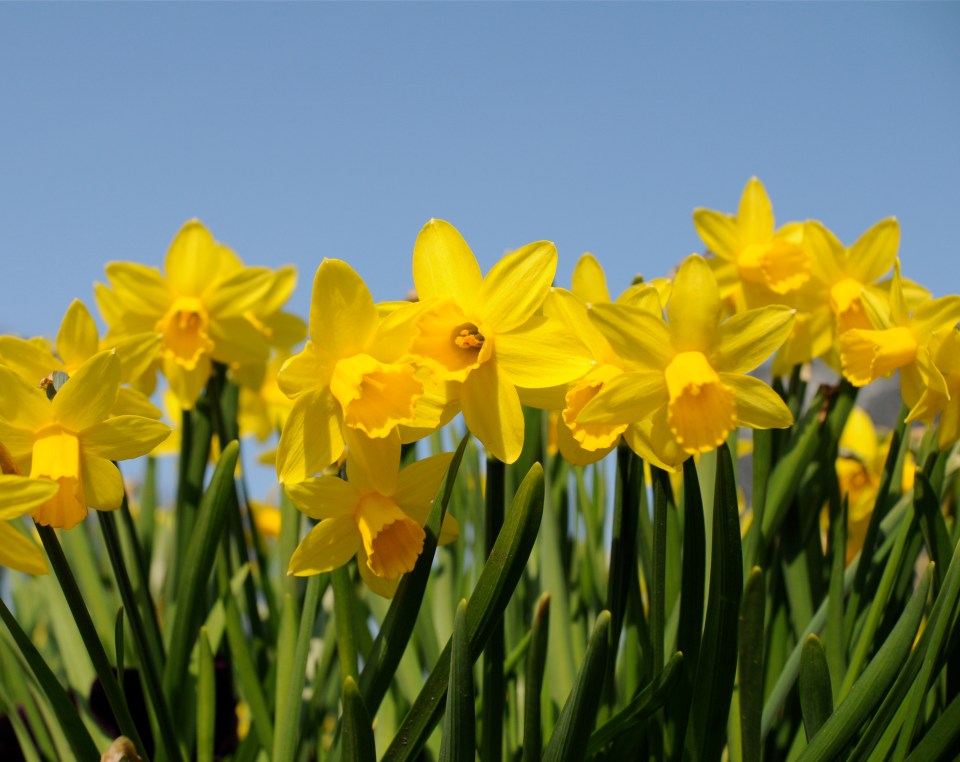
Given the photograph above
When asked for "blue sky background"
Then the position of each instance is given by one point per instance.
(299, 131)
(302, 131)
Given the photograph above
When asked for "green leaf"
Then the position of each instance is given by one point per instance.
(206, 700)
(533, 685)
(751, 664)
(357, 742)
(460, 722)
(498, 579)
(572, 734)
(941, 737)
(716, 670)
(246, 672)
(381, 662)
(850, 714)
(816, 692)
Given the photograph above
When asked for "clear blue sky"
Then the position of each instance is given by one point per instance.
(299, 131)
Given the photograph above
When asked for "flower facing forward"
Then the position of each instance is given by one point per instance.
(380, 521)
(689, 389)
(69, 439)
(484, 336)
(205, 307)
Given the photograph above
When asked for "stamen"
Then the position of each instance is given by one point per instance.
(469, 339)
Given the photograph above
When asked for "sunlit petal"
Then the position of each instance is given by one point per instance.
(758, 406)
(694, 307)
(19, 552)
(542, 353)
(589, 282)
(78, 338)
(748, 338)
(86, 398)
(330, 544)
(516, 286)
(124, 437)
(324, 497)
(311, 438)
(491, 408)
(342, 316)
(444, 266)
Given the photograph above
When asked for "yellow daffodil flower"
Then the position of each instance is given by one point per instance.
(343, 378)
(690, 389)
(199, 308)
(18, 496)
(755, 264)
(898, 340)
(70, 440)
(942, 400)
(77, 341)
(483, 335)
(378, 520)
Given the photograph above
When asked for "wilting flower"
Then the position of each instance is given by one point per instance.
(899, 340)
(690, 389)
(378, 520)
(201, 309)
(756, 264)
(343, 378)
(70, 440)
(483, 336)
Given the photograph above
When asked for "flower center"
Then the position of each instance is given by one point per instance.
(867, 355)
(846, 305)
(591, 436)
(702, 410)
(375, 397)
(392, 539)
(469, 337)
(56, 456)
(781, 265)
(184, 330)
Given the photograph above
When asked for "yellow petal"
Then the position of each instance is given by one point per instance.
(634, 334)
(591, 436)
(874, 253)
(694, 307)
(187, 383)
(573, 452)
(29, 359)
(236, 340)
(19, 552)
(323, 497)
(542, 353)
(589, 283)
(86, 398)
(718, 232)
(242, 291)
(867, 355)
(138, 289)
(447, 341)
(948, 432)
(626, 398)
(22, 405)
(936, 315)
(56, 456)
(444, 266)
(124, 437)
(343, 319)
(755, 214)
(385, 588)
(653, 441)
(491, 408)
(330, 544)
(749, 338)
(193, 260)
(516, 286)
(304, 371)
(16, 444)
(311, 439)
(20, 495)
(418, 483)
(132, 402)
(827, 255)
(78, 338)
(568, 310)
(372, 464)
(375, 397)
(137, 353)
(392, 540)
(702, 409)
(758, 406)
(102, 483)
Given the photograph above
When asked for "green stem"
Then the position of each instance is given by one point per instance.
(494, 653)
(658, 587)
(343, 599)
(89, 634)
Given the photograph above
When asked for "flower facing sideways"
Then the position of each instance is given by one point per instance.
(69, 439)
(378, 522)
(18, 496)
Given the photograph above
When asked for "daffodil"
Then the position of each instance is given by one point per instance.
(942, 400)
(69, 439)
(379, 520)
(18, 496)
(77, 341)
(341, 379)
(690, 387)
(200, 308)
(899, 340)
(755, 264)
(484, 336)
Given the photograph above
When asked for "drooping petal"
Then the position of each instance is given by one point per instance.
(86, 398)
(124, 437)
(634, 334)
(193, 261)
(138, 288)
(78, 338)
(874, 253)
(19, 552)
(324, 497)
(491, 408)
(755, 214)
(589, 282)
(694, 307)
(542, 353)
(758, 406)
(718, 231)
(444, 266)
(20, 495)
(311, 438)
(102, 483)
(343, 318)
(516, 286)
(626, 398)
(330, 544)
(747, 339)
